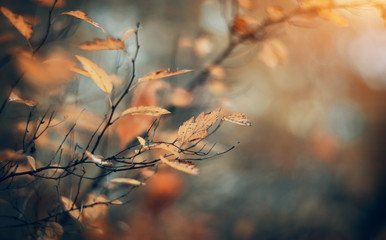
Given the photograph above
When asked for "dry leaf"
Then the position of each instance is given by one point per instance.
(128, 33)
(335, 18)
(82, 15)
(274, 52)
(275, 13)
(51, 72)
(129, 181)
(186, 167)
(116, 202)
(141, 141)
(80, 71)
(32, 162)
(161, 74)
(67, 205)
(194, 130)
(97, 159)
(238, 118)
(49, 3)
(168, 147)
(104, 44)
(130, 126)
(19, 22)
(145, 110)
(97, 74)
(181, 97)
(14, 98)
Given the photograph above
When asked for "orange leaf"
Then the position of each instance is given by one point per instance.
(194, 130)
(238, 118)
(97, 74)
(49, 3)
(82, 15)
(54, 71)
(145, 110)
(185, 167)
(161, 74)
(14, 98)
(19, 22)
(104, 44)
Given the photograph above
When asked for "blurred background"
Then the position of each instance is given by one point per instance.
(312, 164)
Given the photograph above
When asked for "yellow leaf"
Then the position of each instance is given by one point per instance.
(82, 15)
(14, 98)
(97, 74)
(104, 44)
(335, 18)
(129, 181)
(19, 22)
(182, 166)
(274, 52)
(192, 130)
(141, 141)
(161, 74)
(80, 71)
(145, 110)
(49, 3)
(238, 118)
(67, 205)
(128, 33)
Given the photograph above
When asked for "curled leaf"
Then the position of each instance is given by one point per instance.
(185, 167)
(145, 110)
(82, 15)
(97, 74)
(104, 44)
(128, 181)
(238, 118)
(161, 74)
(19, 22)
